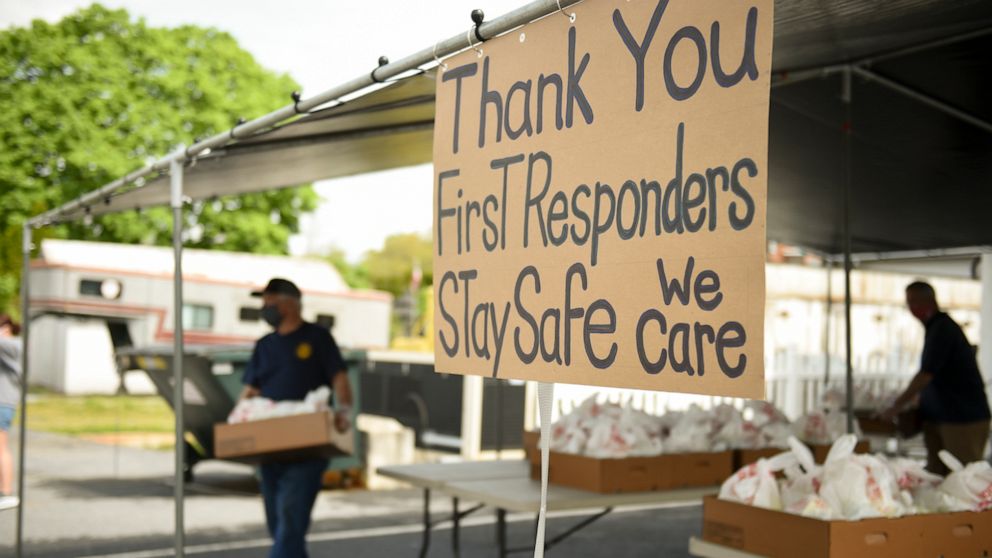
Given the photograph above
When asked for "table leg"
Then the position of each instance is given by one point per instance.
(501, 532)
(455, 525)
(426, 541)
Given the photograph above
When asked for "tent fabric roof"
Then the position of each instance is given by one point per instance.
(920, 176)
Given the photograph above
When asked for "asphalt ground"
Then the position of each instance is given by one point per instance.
(85, 500)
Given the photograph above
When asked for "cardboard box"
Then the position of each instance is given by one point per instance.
(747, 456)
(820, 451)
(871, 423)
(631, 474)
(906, 424)
(282, 439)
(777, 534)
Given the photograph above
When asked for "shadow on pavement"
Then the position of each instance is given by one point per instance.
(208, 484)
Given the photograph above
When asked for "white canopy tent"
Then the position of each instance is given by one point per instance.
(384, 120)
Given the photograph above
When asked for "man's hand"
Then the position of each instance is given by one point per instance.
(342, 419)
(890, 414)
(249, 392)
(916, 385)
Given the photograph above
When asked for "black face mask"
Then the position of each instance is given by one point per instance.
(272, 316)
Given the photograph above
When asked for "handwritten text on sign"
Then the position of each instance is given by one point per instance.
(600, 192)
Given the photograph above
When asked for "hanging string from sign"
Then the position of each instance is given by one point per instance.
(570, 16)
(545, 399)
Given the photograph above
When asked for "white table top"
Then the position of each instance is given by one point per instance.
(507, 485)
(435, 476)
(521, 494)
(706, 549)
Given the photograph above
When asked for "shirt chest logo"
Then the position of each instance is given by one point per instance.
(304, 350)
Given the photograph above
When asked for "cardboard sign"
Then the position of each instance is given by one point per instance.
(600, 193)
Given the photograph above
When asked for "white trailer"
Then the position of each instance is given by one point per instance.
(78, 289)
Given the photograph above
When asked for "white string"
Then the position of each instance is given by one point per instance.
(443, 66)
(570, 16)
(473, 46)
(545, 399)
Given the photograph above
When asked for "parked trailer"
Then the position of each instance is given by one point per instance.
(79, 287)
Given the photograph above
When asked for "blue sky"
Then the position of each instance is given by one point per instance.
(320, 44)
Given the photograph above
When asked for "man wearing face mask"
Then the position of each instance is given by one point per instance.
(286, 364)
(953, 404)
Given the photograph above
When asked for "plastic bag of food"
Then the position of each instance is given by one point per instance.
(250, 409)
(734, 432)
(862, 398)
(859, 486)
(774, 435)
(917, 485)
(967, 488)
(692, 432)
(642, 432)
(801, 484)
(763, 413)
(607, 430)
(911, 474)
(260, 408)
(755, 484)
(822, 426)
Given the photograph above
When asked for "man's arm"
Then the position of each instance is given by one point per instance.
(250, 379)
(919, 382)
(342, 401)
(342, 390)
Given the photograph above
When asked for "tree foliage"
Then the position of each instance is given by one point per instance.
(391, 268)
(355, 275)
(98, 95)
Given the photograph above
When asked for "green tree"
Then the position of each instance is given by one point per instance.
(355, 275)
(98, 95)
(391, 268)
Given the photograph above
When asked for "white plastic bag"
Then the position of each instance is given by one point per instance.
(692, 432)
(774, 435)
(801, 486)
(260, 408)
(731, 431)
(859, 486)
(607, 430)
(822, 426)
(911, 474)
(755, 484)
(967, 488)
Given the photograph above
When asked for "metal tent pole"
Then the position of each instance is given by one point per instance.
(176, 182)
(828, 313)
(22, 427)
(847, 164)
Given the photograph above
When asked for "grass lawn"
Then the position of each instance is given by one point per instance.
(99, 414)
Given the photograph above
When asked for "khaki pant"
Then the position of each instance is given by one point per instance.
(966, 441)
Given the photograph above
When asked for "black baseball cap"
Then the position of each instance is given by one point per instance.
(280, 286)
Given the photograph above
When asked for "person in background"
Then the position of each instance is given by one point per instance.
(286, 364)
(952, 399)
(10, 396)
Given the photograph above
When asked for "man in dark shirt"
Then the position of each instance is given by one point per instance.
(298, 357)
(953, 404)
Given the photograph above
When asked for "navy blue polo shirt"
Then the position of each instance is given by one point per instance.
(957, 391)
(287, 367)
